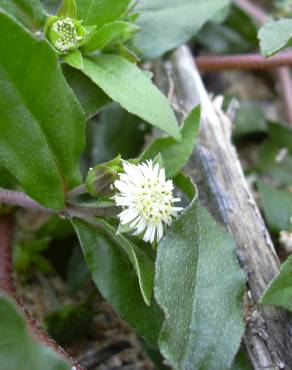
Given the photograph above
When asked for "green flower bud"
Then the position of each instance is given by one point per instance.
(65, 34)
(100, 179)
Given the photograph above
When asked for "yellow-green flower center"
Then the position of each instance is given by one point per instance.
(69, 38)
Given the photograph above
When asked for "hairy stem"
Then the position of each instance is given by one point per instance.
(77, 191)
(242, 62)
(20, 199)
(16, 198)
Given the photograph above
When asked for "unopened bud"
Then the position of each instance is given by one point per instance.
(65, 34)
(100, 179)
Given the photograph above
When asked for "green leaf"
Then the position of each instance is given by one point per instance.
(199, 286)
(17, 349)
(277, 205)
(279, 291)
(116, 278)
(106, 34)
(142, 264)
(168, 24)
(29, 12)
(175, 155)
(90, 96)
(74, 59)
(275, 36)
(41, 122)
(186, 185)
(68, 8)
(7, 181)
(126, 84)
(99, 12)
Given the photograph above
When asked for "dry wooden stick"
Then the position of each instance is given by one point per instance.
(268, 337)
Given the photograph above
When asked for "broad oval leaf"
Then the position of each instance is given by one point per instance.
(141, 262)
(175, 155)
(99, 12)
(168, 24)
(199, 286)
(17, 349)
(279, 291)
(41, 122)
(116, 279)
(126, 84)
(275, 36)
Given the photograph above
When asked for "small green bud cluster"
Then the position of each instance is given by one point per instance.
(69, 38)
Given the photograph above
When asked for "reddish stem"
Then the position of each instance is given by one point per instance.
(6, 273)
(7, 285)
(285, 89)
(243, 62)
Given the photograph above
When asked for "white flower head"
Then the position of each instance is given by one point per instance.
(147, 199)
(69, 38)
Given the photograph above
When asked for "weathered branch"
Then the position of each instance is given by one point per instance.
(268, 337)
(242, 62)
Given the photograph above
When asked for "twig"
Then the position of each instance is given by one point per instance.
(285, 90)
(242, 62)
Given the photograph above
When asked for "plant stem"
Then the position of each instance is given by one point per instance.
(81, 211)
(16, 198)
(77, 191)
(285, 89)
(6, 273)
(242, 62)
(20, 199)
